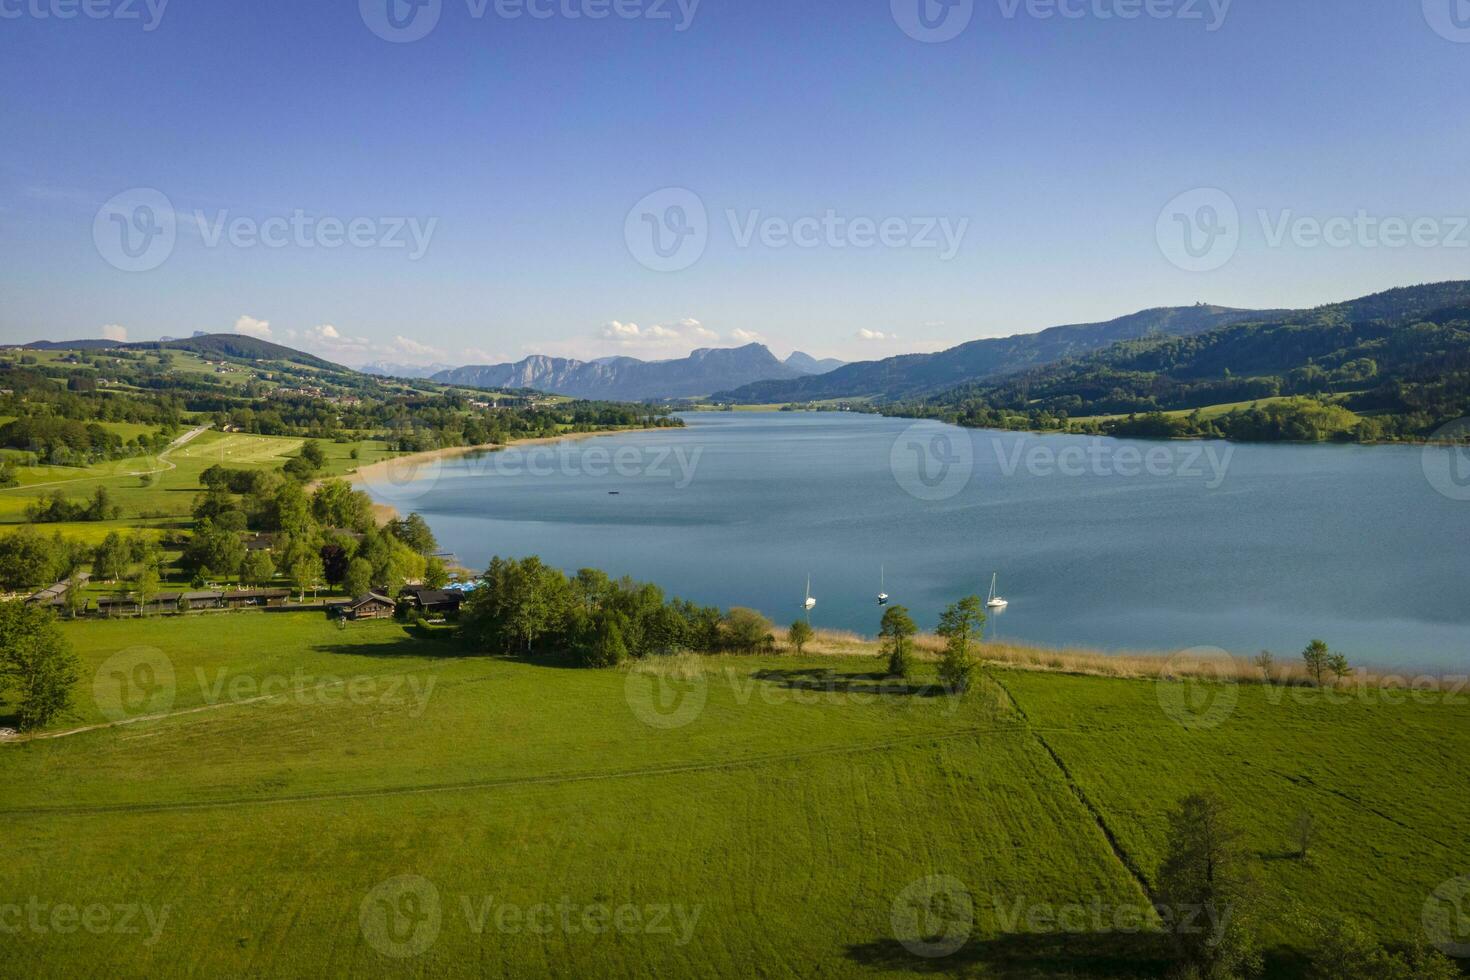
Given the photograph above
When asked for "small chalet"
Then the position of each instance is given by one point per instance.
(370, 606)
(438, 601)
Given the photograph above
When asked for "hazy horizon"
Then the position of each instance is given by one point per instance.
(462, 183)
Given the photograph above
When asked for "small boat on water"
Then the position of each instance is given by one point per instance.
(882, 586)
(995, 601)
(810, 602)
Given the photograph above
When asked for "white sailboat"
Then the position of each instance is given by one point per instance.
(882, 586)
(995, 601)
(810, 602)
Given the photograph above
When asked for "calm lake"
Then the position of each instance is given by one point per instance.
(1105, 543)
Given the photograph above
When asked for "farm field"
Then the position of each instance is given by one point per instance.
(762, 815)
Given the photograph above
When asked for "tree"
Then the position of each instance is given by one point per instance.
(1266, 663)
(36, 663)
(290, 512)
(101, 507)
(312, 452)
(359, 577)
(799, 634)
(894, 632)
(145, 583)
(214, 548)
(335, 558)
(960, 625)
(745, 630)
(1338, 664)
(436, 576)
(258, 569)
(1205, 891)
(74, 601)
(520, 602)
(26, 560)
(336, 504)
(1316, 656)
(414, 531)
(609, 649)
(1343, 949)
(307, 573)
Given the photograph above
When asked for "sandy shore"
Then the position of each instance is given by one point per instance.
(386, 512)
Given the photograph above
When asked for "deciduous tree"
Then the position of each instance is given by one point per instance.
(961, 625)
(36, 663)
(894, 632)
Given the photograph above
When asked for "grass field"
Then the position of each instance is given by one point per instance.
(280, 777)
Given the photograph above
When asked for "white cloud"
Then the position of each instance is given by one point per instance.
(614, 330)
(875, 335)
(115, 332)
(413, 348)
(746, 336)
(328, 341)
(659, 337)
(252, 327)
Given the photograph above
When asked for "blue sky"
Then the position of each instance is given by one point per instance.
(1050, 147)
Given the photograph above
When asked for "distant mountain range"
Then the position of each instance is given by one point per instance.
(909, 375)
(388, 369)
(630, 379)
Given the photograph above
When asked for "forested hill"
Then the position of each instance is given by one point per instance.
(912, 375)
(1388, 366)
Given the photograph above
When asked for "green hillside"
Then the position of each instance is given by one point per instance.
(1391, 366)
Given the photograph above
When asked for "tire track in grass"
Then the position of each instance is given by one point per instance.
(504, 782)
(213, 705)
(1116, 845)
(1305, 781)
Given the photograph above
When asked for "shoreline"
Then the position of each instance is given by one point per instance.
(387, 512)
(1078, 660)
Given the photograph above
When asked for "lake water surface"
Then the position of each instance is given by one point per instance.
(1098, 542)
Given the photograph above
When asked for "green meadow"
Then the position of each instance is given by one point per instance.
(164, 498)
(271, 795)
